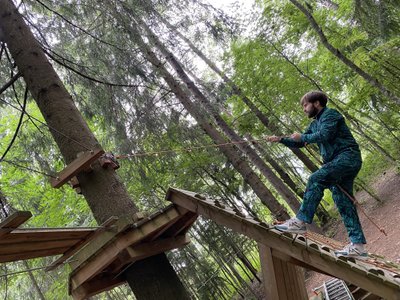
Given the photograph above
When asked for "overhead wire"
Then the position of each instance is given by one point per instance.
(18, 127)
(48, 126)
(27, 168)
(30, 270)
(188, 149)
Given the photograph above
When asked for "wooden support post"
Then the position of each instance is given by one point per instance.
(282, 280)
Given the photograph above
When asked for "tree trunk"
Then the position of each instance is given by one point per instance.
(276, 182)
(237, 91)
(229, 150)
(102, 188)
(39, 294)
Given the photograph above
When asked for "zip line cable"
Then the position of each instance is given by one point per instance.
(27, 168)
(189, 149)
(32, 269)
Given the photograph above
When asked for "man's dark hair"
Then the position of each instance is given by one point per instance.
(315, 96)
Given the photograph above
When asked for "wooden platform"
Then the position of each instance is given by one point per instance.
(27, 243)
(80, 164)
(98, 266)
(279, 250)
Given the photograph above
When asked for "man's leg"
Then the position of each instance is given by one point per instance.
(348, 211)
(317, 183)
(312, 197)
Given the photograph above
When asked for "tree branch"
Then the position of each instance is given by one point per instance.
(336, 52)
(10, 82)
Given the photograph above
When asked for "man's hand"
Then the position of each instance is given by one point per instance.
(273, 139)
(296, 136)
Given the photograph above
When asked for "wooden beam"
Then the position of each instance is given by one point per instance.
(269, 278)
(45, 234)
(35, 246)
(281, 279)
(142, 251)
(301, 251)
(146, 249)
(12, 222)
(95, 286)
(78, 165)
(100, 241)
(71, 251)
(289, 259)
(31, 254)
(182, 225)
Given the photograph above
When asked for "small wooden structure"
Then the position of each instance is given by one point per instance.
(98, 266)
(80, 164)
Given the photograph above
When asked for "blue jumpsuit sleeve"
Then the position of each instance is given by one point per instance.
(291, 143)
(327, 129)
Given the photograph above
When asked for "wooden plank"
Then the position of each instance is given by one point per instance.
(104, 258)
(284, 292)
(78, 165)
(282, 280)
(37, 235)
(31, 254)
(272, 239)
(100, 241)
(71, 251)
(34, 246)
(12, 222)
(301, 282)
(95, 286)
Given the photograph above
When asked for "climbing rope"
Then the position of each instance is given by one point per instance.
(188, 149)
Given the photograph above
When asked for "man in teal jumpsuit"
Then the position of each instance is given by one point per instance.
(341, 164)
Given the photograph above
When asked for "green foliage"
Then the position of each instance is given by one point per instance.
(132, 111)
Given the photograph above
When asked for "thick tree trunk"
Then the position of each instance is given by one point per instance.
(229, 151)
(103, 190)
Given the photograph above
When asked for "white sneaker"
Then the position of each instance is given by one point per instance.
(293, 225)
(353, 250)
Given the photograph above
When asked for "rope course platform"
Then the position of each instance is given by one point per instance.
(99, 256)
(99, 265)
(281, 253)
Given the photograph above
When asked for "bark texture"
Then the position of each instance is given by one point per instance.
(103, 190)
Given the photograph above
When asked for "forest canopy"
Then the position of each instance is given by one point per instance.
(184, 94)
